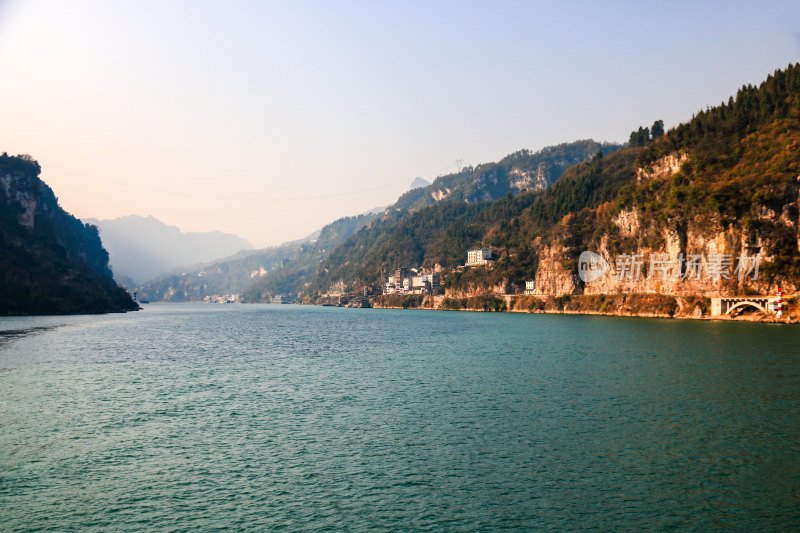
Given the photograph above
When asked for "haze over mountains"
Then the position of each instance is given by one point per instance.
(141, 248)
(278, 270)
(290, 270)
(723, 184)
(709, 208)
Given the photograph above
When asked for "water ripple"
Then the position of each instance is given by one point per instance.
(185, 418)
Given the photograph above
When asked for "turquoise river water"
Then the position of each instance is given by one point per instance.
(250, 417)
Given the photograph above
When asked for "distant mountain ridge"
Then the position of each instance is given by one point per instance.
(142, 248)
(224, 277)
(524, 170)
(50, 262)
(419, 182)
(716, 193)
(293, 277)
(437, 217)
(294, 269)
(279, 270)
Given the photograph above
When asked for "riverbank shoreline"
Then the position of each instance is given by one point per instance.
(721, 318)
(621, 305)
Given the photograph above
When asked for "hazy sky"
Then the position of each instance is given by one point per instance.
(270, 119)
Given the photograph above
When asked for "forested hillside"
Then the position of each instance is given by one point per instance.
(256, 275)
(725, 183)
(438, 223)
(292, 270)
(224, 277)
(292, 279)
(50, 262)
(521, 171)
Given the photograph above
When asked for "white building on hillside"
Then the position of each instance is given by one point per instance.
(428, 283)
(479, 256)
(530, 287)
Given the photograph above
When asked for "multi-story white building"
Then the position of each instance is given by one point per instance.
(479, 256)
(530, 287)
(427, 282)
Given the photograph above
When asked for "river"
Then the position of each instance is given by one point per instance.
(252, 417)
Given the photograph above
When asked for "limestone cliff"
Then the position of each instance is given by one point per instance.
(699, 256)
(709, 208)
(50, 262)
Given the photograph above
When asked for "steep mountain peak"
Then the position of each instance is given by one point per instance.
(418, 183)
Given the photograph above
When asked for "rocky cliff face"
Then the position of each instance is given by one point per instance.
(552, 277)
(663, 168)
(530, 180)
(30, 205)
(17, 189)
(698, 257)
(645, 250)
(50, 263)
(710, 208)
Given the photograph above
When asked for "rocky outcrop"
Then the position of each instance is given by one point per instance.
(50, 262)
(664, 167)
(699, 257)
(473, 290)
(529, 180)
(440, 194)
(552, 277)
(679, 259)
(17, 189)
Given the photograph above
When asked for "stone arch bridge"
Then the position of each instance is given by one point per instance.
(726, 305)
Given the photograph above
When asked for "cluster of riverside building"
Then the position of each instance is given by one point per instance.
(421, 281)
(413, 281)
